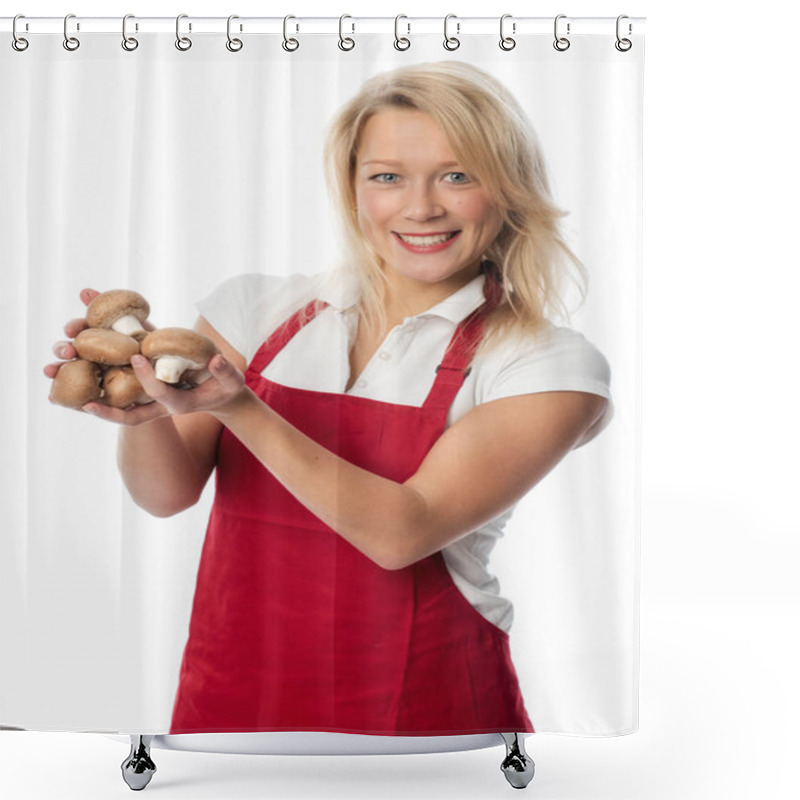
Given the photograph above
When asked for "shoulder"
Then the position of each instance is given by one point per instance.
(244, 309)
(256, 288)
(558, 359)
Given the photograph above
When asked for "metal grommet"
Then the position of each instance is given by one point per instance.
(128, 42)
(70, 42)
(623, 45)
(506, 42)
(290, 45)
(182, 42)
(346, 43)
(401, 42)
(234, 45)
(18, 43)
(451, 42)
(561, 43)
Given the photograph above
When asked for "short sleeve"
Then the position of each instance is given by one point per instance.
(559, 360)
(245, 309)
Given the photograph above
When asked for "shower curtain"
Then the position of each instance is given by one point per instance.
(171, 170)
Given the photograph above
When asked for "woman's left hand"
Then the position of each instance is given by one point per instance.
(224, 386)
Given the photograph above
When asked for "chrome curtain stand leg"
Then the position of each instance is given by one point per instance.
(517, 766)
(138, 768)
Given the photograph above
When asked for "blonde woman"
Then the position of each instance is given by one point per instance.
(372, 429)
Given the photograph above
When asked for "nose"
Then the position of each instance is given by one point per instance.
(423, 203)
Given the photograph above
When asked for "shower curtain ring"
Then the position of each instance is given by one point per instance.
(18, 43)
(346, 43)
(234, 45)
(290, 45)
(451, 42)
(401, 42)
(128, 42)
(70, 42)
(506, 42)
(182, 42)
(623, 45)
(561, 43)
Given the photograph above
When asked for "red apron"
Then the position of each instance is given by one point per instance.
(293, 629)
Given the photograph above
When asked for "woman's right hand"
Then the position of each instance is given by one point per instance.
(65, 350)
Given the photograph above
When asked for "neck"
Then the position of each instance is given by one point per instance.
(407, 298)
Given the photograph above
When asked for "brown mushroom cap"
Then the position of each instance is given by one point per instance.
(122, 388)
(182, 342)
(179, 343)
(109, 306)
(76, 383)
(104, 346)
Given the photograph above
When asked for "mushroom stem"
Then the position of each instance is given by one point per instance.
(128, 325)
(170, 368)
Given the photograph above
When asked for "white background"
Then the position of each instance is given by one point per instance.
(720, 534)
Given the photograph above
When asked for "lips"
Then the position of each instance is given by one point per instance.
(427, 242)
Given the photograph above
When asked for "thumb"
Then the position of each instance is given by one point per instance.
(219, 364)
(225, 372)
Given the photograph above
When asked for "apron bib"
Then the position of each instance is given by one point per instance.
(293, 629)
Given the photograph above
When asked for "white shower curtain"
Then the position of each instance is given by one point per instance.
(169, 172)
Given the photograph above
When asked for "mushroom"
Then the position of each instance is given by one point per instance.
(105, 346)
(120, 310)
(122, 388)
(76, 383)
(179, 355)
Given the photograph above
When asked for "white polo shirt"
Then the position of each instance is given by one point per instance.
(246, 309)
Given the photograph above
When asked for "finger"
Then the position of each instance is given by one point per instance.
(152, 386)
(226, 373)
(75, 326)
(131, 416)
(51, 370)
(87, 295)
(64, 350)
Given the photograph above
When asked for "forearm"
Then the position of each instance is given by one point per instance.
(157, 467)
(385, 520)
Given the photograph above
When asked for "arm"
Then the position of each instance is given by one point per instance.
(478, 468)
(165, 463)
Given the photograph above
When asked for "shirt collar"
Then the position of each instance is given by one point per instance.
(460, 304)
(339, 289)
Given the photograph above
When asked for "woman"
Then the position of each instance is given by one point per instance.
(371, 430)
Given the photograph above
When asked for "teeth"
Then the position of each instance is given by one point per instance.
(426, 241)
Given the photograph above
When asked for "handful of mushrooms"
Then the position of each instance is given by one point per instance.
(102, 371)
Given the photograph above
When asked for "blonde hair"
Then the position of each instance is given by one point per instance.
(492, 139)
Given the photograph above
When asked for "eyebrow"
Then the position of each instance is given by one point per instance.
(392, 163)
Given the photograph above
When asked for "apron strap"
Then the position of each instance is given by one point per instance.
(455, 366)
(281, 336)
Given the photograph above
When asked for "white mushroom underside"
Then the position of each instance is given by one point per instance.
(129, 325)
(170, 368)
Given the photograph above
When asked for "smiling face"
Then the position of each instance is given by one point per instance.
(426, 217)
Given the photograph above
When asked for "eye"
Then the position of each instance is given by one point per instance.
(385, 177)
(458, 177)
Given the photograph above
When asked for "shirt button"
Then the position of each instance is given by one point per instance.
(384, 355)
(361, 383)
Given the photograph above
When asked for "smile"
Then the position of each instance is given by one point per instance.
(428, 243)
